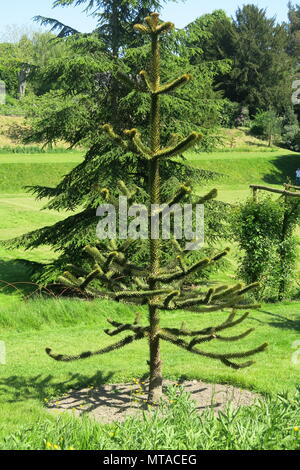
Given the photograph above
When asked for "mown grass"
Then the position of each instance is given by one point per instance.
(18, 171)
(33, 149)
(21, 213)
(239, 169)
(70, 326)
(30, 377)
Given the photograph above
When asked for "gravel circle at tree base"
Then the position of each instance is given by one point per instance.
(116, 402)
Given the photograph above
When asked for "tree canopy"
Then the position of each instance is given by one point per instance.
(91, 86)
(257, 47)
(237, 65)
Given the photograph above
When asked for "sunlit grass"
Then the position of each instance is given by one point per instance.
(268, 425)
(72, 326)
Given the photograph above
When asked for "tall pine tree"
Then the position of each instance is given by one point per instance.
(114, 19)
(256, 45)
(86, 93)
(293, 27)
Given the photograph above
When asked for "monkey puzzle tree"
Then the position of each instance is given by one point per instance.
(160, 287)
(79, 93)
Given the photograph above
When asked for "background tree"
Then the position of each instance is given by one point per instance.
(267, 125)
(83, 92)
(19, 61)
(211, 37)
(115, 20)
(256, 45)
(261, 71)
(293, 27)
(9, 69)
(160, 287)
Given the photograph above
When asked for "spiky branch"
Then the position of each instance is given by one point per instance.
(158, 286)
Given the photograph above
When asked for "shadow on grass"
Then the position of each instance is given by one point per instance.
(17, 388)
(72, 393)
(279, 321)
(89, 394)
(256, 144)
(286, 166)
(15, 276)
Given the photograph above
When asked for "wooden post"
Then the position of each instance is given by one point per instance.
(275, 190)
(254, 194)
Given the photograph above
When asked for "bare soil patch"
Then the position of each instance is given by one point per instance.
(116, 402)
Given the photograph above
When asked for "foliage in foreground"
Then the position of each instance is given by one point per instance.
(265, 230)
(270, 424)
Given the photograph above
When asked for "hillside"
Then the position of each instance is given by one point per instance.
(245, 160)
(6, 123)
(10, 127)
(239, 164)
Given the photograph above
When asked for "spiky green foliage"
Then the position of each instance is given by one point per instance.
(160, 286)
(115, 18)
(89, 88)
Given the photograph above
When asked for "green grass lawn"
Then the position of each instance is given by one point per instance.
(30, 377)
(18, 171)
(239, 169)
(21, 213)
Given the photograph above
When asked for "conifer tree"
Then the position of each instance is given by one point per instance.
(115, 19)
(294, 29)
(160, 287)
(261, 70)
(84, 91)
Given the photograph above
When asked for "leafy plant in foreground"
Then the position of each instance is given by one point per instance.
(265, 231)
(269, 424)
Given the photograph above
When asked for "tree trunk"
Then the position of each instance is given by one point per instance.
(270, 140)
(155, 385)
(23, 74)
(285, 225)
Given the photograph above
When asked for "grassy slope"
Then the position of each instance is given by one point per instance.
(10, 127)
(21, 213)
(239, 169)
(72, 326)
(18, 170)
(249, 162)
(6, 122)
